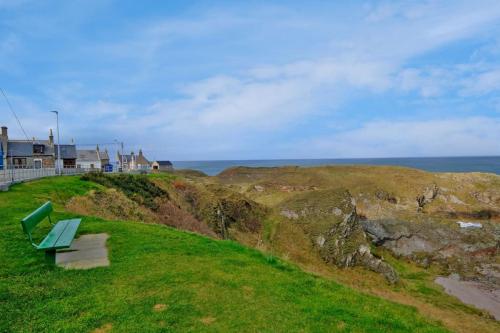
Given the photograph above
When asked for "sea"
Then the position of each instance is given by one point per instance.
(489, 164)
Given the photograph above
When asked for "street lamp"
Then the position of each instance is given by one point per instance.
(58, 144)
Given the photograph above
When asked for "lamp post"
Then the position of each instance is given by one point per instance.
(58, 143)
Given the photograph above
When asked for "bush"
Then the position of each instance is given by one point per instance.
(137, 187)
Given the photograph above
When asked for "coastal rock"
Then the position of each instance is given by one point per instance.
(486, 197)
(429, 194)
(329, 218)
(386, 196)
(222, 209)
(457, 249)
(259, 188)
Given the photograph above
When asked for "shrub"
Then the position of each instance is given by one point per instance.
(137, 187)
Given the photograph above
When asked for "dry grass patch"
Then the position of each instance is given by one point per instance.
(207, 320)
(159, 307)
(104, 328)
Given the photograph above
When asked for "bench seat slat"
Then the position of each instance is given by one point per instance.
(68, 235)
(61, 236)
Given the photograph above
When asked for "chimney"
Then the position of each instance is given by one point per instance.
(140, 152)
(97, 148)
(4, 131)
(51, 138)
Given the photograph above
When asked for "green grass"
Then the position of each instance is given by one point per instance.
(205, 285)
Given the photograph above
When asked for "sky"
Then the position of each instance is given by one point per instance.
(211, 80)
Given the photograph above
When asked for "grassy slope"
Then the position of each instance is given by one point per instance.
(363, 182)
(417, 287)
(205, 285)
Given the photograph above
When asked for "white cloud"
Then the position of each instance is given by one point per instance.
(449, 137)
(465, 80)
(230, 111)
(483, 83)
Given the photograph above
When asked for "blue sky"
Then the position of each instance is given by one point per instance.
(249, 80)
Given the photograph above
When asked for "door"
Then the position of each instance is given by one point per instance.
(37, 164)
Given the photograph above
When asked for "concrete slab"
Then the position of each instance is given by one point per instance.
(87, 251)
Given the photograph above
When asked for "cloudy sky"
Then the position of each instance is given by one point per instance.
(250, 80)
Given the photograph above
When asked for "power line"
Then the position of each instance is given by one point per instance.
(14, 113)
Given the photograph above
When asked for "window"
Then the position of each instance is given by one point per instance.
(91, 165)
(38, 149)
(37, 164)
(19, 162)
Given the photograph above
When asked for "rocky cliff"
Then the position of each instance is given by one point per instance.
(329, 218)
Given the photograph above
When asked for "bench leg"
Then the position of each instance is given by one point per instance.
(50, 256)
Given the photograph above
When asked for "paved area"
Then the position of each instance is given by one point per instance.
(87, 251)
(473, 293)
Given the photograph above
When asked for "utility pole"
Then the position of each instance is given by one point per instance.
(58, 144)
(122, 156)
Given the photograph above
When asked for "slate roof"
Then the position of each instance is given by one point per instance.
(104, 155)
(140, 159)
(25, 149)
(91, 155)
(164, 163)
(67, 151)
(20, 148)
(87, 155)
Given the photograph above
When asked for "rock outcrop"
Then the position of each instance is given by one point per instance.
(329, 218)
(430, 193)
(220, 208)
(463, 250)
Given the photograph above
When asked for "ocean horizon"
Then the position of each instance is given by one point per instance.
(490, 164)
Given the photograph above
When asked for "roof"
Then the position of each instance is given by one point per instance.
(20, 148)
(140, 159)
(104, 155)
(87, 155)
(126, 158)
(91, 155)
(67, 151)
(164, 163)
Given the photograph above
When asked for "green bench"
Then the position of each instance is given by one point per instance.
(60, 237)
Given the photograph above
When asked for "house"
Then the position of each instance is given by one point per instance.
(34, 153)
(92, 159)
(3, 147)
(27, 153)
(68, 155)
(133, 162)
(162, 166)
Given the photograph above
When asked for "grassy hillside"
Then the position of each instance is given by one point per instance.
(380, 191)
(161, 279)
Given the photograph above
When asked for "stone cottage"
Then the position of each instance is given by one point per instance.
(34, 153)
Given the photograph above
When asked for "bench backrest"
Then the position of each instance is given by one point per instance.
(30, 222)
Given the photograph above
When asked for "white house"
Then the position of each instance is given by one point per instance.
(92, 159)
